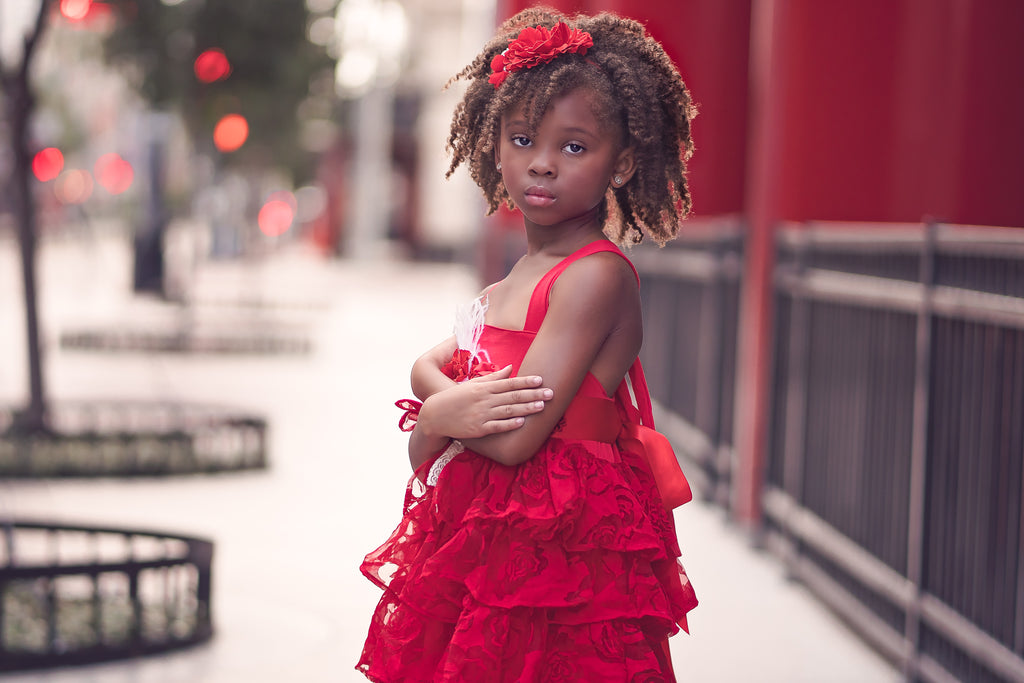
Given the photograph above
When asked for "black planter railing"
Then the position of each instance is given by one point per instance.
(134, 438)
(72, 595)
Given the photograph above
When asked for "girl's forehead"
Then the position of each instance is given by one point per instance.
(577, 102)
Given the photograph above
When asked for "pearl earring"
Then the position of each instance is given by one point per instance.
(618, 180)
(498, 165)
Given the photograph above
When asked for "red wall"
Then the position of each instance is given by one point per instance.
(898, 110)
(881, 110)
(709, 42)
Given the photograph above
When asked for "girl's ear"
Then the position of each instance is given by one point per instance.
(625, 167)
(497, 159)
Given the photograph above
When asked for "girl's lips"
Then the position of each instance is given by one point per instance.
(538, 196)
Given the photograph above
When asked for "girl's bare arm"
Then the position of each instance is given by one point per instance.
(427, 378)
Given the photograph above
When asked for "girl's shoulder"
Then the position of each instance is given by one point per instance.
(602, 271)
(603, 281)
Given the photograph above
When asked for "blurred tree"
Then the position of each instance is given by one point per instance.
(207, 59)
(19, 106)
(272, 65)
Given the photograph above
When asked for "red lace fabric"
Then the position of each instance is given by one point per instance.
(564, 568)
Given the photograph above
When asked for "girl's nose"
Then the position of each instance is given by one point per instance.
(542, 164)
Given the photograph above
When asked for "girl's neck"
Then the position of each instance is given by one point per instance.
(561, 240)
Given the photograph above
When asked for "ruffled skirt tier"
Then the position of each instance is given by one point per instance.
(563, 568)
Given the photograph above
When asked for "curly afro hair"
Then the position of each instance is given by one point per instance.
(638, 92)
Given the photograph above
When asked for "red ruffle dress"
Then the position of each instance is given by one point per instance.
(563, 568)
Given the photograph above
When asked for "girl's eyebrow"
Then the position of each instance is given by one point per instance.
(579, 130)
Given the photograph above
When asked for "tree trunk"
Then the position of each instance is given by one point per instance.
(20, 104)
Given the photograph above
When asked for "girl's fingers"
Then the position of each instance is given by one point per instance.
(503, 373)
(500, 380)
(519, 397)
(499, 426)
(513, 410)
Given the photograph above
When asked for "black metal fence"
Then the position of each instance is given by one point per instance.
(895, 467)
(75, 595)
(691, 308)
(896, 458)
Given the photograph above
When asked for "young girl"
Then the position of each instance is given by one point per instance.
(536, 542)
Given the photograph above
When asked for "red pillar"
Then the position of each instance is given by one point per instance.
(767, 85)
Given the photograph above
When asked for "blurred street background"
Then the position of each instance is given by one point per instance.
(289, 601)
(243, 206)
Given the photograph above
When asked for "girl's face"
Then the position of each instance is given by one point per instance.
(559, 172)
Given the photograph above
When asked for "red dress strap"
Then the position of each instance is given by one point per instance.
(541, 293)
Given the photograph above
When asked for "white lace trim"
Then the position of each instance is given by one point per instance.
(454, 448)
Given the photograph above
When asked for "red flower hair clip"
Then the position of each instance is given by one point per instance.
(538, 45)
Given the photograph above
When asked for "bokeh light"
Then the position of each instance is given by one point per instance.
(114, 173)
(322, 31)
(311, 201)
(212, 65)
(75, 10)
(277, 214)
(231, 132)
(47, 164)
(73, 186)
(87, 14)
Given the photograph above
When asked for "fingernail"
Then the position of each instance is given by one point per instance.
(538, 404)
(535, 380)
(547, 393)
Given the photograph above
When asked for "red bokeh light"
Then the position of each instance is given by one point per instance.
(212, 65)
(277, 214)
(47, 164)
(86, 14)
(75, 10)
(114, 173)
(231, 133)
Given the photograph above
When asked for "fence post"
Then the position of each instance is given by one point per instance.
(919, 449)
(708, 410)
(799, 331)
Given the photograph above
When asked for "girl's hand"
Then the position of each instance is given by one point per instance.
(488, 404)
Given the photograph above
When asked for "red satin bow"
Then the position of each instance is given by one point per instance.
(657, 450)
(407, 422)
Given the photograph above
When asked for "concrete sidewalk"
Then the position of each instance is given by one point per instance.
(290, 604)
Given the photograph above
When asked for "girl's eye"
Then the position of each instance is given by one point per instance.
(520, 140)
(574, 148)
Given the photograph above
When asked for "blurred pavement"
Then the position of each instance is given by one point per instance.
(289, 602)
